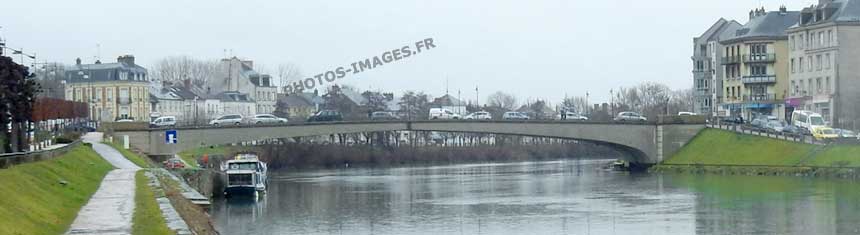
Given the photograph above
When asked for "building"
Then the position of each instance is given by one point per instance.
(231, 102)
(297, 107)
(113, 90)
(239, 76)
(707, 75)
(164, 100)
(824, 57)
(451, 103)
(755, 65)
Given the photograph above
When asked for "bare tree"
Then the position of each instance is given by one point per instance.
(575, 104)
(179, 68)
(288, 72)
(502, 100)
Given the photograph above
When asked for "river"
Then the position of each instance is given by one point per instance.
(558, 197)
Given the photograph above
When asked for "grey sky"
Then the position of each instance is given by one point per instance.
(535, 49)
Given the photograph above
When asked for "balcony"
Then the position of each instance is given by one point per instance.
(730, 60)
(765, 98)
(759, 79)
(123, 100)
(760, 58)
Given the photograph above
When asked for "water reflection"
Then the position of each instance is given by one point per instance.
(562, 197)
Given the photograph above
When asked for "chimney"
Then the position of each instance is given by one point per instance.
(316, 92)
(783, 10)
(78, 61)
(98, 61)
(752, 14)
(187, 83)
(126, 59)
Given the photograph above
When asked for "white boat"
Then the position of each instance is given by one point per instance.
(246, 174)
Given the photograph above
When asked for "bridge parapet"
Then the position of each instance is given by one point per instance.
(645, 142)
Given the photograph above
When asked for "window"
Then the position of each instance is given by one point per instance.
(800, 64)
(792, 65)
(791, 43)
(758, 70)
(793, 88)
(827, 85)
(98, 94)
(830, 38)
(801, 41)
(802, 87)
(818, 62)
(827, 61)
(818, 85)
(809, 58)
(821, 38)
(809, 89)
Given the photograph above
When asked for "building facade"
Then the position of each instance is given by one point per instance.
(113, 91)
(707, 75)
(825, 62)
(239, 76)
(755, 65)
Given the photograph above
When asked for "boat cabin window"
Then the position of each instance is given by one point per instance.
(243, 166)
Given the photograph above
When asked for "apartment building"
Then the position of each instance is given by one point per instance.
(824, 49)
(113, 91)
(756, 65)
(707, 75)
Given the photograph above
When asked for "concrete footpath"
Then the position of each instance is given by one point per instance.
(111, 208)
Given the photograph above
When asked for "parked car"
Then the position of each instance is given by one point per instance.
(807, 119)
(792, 130)
(166, 121)
(761, 121)
(846, 133)
(267, 119)
(383, 115)
(630, 117)
(125, 120)
(173, 163)
(515, 116)
(229, 119)
(687, 114)
(824, 133)
(479, 116)
(326, 116)
(440, 113)
(572, 116)
(775, 126)
(733, 120)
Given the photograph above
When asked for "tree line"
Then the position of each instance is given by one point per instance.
(18, 89)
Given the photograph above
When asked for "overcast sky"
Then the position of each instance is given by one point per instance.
(534, 49)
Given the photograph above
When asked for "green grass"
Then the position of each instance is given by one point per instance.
(837, 155)
(719, 147)
(34, 202)
(138, 160)
(147, 215)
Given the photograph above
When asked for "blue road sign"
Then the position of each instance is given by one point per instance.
(171, 137)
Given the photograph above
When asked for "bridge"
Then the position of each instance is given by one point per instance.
(645, 143)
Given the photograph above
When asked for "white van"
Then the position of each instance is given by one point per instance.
(807, 119)
(439, 113)
(166, 121)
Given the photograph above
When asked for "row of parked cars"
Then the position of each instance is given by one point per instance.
(801, 123)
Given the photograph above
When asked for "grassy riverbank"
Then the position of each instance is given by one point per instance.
(147, 217)
(720, 151)
(44, 197)
(140, 161)
(190, 156)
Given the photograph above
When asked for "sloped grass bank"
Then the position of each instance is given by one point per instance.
(44, 197)
(724, 152)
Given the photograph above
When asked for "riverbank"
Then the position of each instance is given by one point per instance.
(724, 152)
(44, 197)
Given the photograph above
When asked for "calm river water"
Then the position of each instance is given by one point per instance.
(560, 197)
